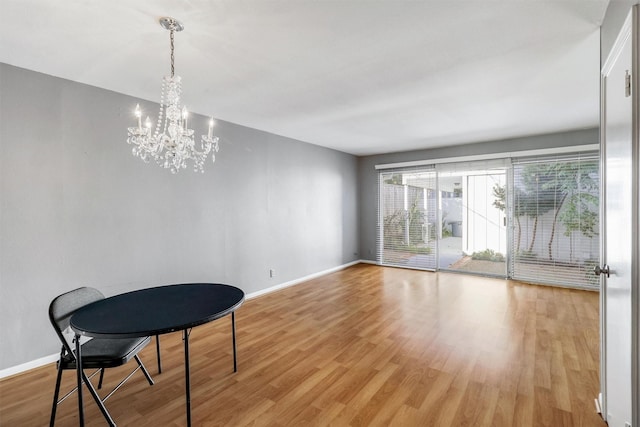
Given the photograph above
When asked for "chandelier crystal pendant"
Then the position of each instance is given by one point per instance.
(171, 144)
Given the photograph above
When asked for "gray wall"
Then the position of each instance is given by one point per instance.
(78, 209)
(617, 12)
(368, 176)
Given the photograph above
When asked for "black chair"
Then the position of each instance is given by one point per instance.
(97, 353)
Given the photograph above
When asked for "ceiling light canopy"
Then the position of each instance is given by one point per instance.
(171, 144)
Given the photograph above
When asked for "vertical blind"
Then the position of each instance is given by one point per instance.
(407, 217)
(554, 218)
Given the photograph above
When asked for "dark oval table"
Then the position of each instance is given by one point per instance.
(156, 311)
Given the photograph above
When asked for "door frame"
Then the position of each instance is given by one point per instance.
(635, 290)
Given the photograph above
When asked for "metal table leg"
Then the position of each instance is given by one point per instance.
(158, 354)
(186, 375)
(233, 329)
(79, 378)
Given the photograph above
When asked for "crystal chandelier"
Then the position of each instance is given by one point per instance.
(172, 143)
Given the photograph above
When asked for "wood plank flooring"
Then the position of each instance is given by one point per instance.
(366, 346)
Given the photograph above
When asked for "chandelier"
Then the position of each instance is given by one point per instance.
(171, 144)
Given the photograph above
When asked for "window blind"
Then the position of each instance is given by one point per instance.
(555, 220)
(407, 217)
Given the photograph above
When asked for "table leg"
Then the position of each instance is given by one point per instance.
(158, 354)
(233, 329)
(186, 376)
(79, 378)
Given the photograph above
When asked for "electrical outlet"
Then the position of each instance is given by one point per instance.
(272, 273)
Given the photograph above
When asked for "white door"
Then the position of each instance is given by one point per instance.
(618, 232)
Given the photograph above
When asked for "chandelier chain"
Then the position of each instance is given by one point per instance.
(172, 59)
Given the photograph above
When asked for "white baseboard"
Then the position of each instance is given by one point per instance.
(300, 280)
(18, 369)
(53, 357)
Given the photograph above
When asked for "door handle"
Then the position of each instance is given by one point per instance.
(604, 270)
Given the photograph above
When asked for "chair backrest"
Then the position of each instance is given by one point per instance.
(63, 306)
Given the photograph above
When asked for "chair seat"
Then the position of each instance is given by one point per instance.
(107, 352)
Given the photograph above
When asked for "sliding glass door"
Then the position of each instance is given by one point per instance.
(450, 217)
(472, 208)
(532, 219)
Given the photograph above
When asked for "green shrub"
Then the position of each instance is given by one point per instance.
(488, 255)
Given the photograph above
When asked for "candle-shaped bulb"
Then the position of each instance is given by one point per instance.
(147, 123)
(185, 114)
(138, 113)
(211, 124)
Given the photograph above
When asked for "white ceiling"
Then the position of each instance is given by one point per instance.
(359, 76)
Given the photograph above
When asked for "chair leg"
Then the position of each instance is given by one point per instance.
(92, 390)
(95, 396)
(144, 369)
(56, 393)
(101, 378)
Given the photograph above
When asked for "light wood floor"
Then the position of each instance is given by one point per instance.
(364, 346)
